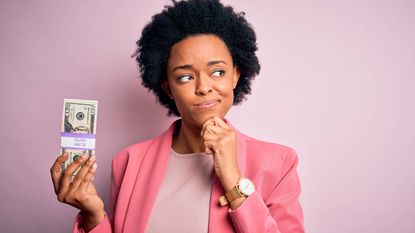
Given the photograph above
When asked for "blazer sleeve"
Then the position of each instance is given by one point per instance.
(106, 225)
(280, 212)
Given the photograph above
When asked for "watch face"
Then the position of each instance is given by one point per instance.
(246, 186)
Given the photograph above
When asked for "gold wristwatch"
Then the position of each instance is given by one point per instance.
(244, 188)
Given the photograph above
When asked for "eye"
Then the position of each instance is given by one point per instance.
(184, 78)
(218, 73)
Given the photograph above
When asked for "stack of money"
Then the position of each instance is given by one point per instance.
(79, 123)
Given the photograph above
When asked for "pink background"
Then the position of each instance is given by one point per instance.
(337, 84)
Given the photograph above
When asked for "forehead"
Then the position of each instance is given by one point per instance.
(199, 48)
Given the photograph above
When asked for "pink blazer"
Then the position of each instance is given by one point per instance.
(137, 173)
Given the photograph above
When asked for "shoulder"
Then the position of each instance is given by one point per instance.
(268, 163)
(269, 151)
(120, 160)
(268, 158)
(136, 152)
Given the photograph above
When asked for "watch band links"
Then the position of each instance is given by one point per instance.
(231, 195)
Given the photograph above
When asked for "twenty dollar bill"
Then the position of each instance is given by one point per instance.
(79, 123)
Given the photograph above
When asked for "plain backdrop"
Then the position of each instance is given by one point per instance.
(337, 84)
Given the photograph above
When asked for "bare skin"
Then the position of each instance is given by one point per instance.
(79, 193)
(199, 69)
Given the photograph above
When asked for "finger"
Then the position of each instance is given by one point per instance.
(66, 179)
(215, 121)
(88, 178)
(211, 146)
(82, 173)
(55, 170)
(212, 129)
(211, 121)
(220, 122)
(208, 122)
(211, 136)
(208, 150)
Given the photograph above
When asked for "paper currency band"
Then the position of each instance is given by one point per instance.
(77, 135)
(78, 141)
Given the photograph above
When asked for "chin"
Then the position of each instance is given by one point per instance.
(199, 119)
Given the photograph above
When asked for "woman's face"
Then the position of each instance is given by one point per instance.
(201, 78)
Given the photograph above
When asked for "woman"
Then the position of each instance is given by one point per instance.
(201, 174)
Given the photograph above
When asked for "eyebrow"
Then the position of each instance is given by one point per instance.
(188, 66)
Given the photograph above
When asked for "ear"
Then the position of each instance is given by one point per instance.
(235, 78)
(166, 88)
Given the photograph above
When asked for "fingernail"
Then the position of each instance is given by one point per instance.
(92, 157)
(94, 166)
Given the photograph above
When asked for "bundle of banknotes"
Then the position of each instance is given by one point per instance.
(79, 123)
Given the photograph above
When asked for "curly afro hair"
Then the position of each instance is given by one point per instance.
(188, 18)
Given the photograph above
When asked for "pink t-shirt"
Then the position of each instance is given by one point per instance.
(182, 204)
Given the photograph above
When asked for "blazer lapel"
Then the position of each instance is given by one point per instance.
(147, 182)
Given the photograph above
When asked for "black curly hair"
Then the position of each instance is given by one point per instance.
(188, 18)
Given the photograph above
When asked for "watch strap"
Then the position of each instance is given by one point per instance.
(223, 201)
(231, 195)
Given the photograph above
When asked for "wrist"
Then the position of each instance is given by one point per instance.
(229, 180)
(234, 196)
(92, 219)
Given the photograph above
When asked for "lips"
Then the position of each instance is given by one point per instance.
(207, 104)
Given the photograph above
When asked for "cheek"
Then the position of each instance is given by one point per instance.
(226, 87)
(182, 97)
(226, 91)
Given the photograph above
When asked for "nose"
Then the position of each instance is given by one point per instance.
(203, 85)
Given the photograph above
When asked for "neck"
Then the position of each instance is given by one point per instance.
(187, 139)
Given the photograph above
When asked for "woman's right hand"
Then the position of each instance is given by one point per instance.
(79, 191)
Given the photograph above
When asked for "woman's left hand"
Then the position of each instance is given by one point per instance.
(220, 140)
